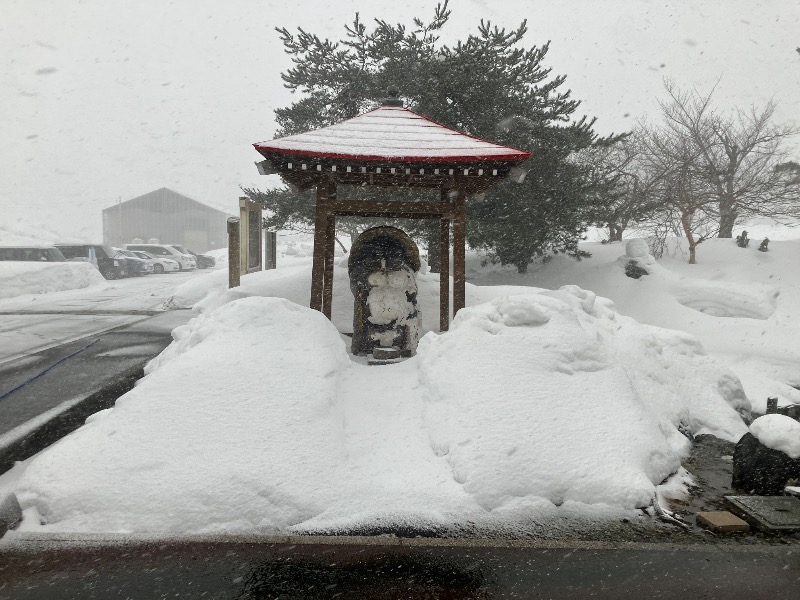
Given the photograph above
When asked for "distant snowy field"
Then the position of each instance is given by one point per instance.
(543, 400)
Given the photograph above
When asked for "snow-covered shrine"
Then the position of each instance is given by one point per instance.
(392, 147)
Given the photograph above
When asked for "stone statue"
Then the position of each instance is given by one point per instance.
(382, 267)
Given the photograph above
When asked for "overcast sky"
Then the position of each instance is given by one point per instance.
(108, 99)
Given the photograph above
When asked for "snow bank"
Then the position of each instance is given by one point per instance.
(778, 432)
(19, 278)
(256, 420)
(232, 429)
(556, 395)
(740, 303)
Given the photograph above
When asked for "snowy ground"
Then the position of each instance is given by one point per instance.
(740, 303)
(540, 402)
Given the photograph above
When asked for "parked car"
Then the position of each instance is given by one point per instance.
(136, 265)
(185, 260)
(160, 264)
(31, 253)
(203, 260)
(100, 256)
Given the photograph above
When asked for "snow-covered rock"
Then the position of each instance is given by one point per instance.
(778, 432)
(639, 250)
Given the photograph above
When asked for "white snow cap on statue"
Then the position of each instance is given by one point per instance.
(639, 250)
(778, 432)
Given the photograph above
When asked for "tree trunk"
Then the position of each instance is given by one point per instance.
(522, 268)
(686, 222)
(615, 232)
(727, 218)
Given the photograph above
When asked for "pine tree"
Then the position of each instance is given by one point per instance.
(489, 86)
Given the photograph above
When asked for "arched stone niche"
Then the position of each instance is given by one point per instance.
(382, 266)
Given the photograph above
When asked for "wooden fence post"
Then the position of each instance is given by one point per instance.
(234, 256)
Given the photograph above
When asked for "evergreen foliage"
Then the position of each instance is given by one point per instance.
(490, 86)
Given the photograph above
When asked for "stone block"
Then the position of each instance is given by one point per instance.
(722, 522)
(389, 353)
(10, 513)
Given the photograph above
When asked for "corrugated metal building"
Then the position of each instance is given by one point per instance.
(169, 218)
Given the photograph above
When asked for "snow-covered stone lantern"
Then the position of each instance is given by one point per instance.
(382, 267)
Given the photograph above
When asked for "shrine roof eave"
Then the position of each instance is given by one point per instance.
(512, 155)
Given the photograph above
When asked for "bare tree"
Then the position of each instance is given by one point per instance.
(739, 157)
(630, 195)
(687, 203)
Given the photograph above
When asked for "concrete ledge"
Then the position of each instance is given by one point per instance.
(22, 540)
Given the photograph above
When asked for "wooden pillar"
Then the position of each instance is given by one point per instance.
(459, 249)
(444, 274)
(234, 253)
(330, 248)
(444, 267)
(270, 250)
(320, 233)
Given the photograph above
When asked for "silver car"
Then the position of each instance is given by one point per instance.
(160, 263)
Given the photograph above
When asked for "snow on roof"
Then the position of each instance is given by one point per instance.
(390, 132)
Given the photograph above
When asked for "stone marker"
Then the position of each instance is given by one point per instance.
(722, 522)
(10, 514)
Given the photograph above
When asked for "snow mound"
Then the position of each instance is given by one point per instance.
(573, 403)
(193, 290)
(639, 250)
(719, 299)
(19, 278)
(778, 432)
(256, 420)
(199, 445)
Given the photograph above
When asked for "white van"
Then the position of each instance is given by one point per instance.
(186, 261)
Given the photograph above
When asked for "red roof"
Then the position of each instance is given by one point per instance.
(390, 133)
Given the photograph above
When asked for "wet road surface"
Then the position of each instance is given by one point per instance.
(48, 394)
(415, 568)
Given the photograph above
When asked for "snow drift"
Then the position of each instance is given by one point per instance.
(19, 278)
(256, 420)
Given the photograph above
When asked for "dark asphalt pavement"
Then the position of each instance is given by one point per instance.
(53, 391)
(401, 569)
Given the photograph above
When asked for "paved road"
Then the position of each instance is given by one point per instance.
(415, 568)
(66, 355)
(35, 323)
(47, 394)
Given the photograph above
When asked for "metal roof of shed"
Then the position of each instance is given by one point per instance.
(391, 133)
